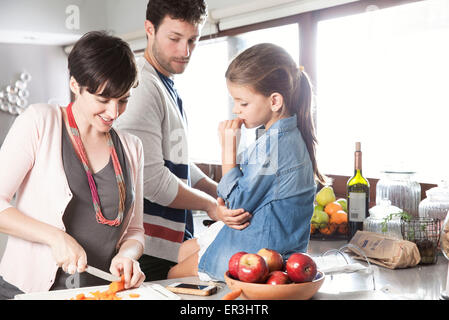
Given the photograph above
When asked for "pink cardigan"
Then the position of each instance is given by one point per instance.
(31, 165)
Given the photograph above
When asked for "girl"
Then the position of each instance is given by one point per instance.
(78, 183)
(275, 180)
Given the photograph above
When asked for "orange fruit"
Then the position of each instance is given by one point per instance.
(332, 207)
(330, 229)
(312, 228)
(338, 217)
(343, 228)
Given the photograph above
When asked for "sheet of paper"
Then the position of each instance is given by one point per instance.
(336, 264)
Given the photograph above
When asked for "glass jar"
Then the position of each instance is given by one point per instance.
(444, 240)
(436, 205)
(400, 188)
(385, 219)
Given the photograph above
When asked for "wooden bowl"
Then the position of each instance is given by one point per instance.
(261, 291)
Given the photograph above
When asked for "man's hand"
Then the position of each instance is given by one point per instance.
(237, 219)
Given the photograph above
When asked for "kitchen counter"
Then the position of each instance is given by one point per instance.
(422, 282)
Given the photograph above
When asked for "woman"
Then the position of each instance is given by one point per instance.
(78, 182)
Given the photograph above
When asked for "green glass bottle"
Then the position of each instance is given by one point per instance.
(357, 193)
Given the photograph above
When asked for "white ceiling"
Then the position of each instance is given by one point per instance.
(219, 9)
(38, 38)
(43, 21)
(233, 13)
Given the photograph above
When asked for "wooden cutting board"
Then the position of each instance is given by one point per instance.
(146, 291)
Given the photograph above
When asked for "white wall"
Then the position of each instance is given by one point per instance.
(6, 121)
(48, 68)
(126, 16)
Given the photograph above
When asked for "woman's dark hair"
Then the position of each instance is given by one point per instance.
(192, 11)
(98, 59)
(268, 68)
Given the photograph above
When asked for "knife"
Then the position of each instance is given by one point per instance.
(101, 274)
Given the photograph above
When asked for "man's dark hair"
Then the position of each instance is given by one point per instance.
(192, 11)
(99, 59)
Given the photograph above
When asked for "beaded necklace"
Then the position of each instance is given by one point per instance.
(81, 152)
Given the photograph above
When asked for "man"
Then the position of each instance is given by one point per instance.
(172, 185)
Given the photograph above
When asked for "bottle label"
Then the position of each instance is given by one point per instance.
(357, 206)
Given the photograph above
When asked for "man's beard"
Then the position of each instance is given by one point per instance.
(164, 62)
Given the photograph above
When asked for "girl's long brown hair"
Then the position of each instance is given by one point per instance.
(268, 68)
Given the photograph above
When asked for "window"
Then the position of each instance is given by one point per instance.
(203, 86)
(382, 79)
(203, 90)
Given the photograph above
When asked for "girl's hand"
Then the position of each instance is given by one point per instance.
(229, 129)
(68, 254)
(130, 268)
(229, 135)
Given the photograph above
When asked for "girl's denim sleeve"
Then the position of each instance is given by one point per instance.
(247, 190)
(228, 182)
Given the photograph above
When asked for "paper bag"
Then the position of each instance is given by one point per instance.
(385, 251)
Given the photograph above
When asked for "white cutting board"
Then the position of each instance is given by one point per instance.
(146, 291)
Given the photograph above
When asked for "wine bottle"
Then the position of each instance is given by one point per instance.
(357, 193)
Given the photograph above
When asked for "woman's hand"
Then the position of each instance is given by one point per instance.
(68, 254)
(125, 263)
(229, 135)
(130, 269)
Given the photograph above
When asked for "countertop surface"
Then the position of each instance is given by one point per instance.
(422, 282)
(373, 282)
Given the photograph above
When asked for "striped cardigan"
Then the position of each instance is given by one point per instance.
(154, 117)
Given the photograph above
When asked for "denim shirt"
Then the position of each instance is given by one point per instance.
(275, 183)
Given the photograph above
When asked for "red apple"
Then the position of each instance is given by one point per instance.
(233, 265)
(252, 268)
(278, 277)
(273, 258)
(301, 267)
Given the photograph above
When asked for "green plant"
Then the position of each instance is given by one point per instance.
(405, 216)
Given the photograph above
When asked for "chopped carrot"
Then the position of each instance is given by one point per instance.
(232, 295)
(134, 295)
(117, 286)
(80, 296)
(96, 294)
(109, 294)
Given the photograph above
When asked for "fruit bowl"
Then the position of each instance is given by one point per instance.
(291, 291)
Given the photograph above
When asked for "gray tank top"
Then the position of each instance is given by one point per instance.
(98, 240)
